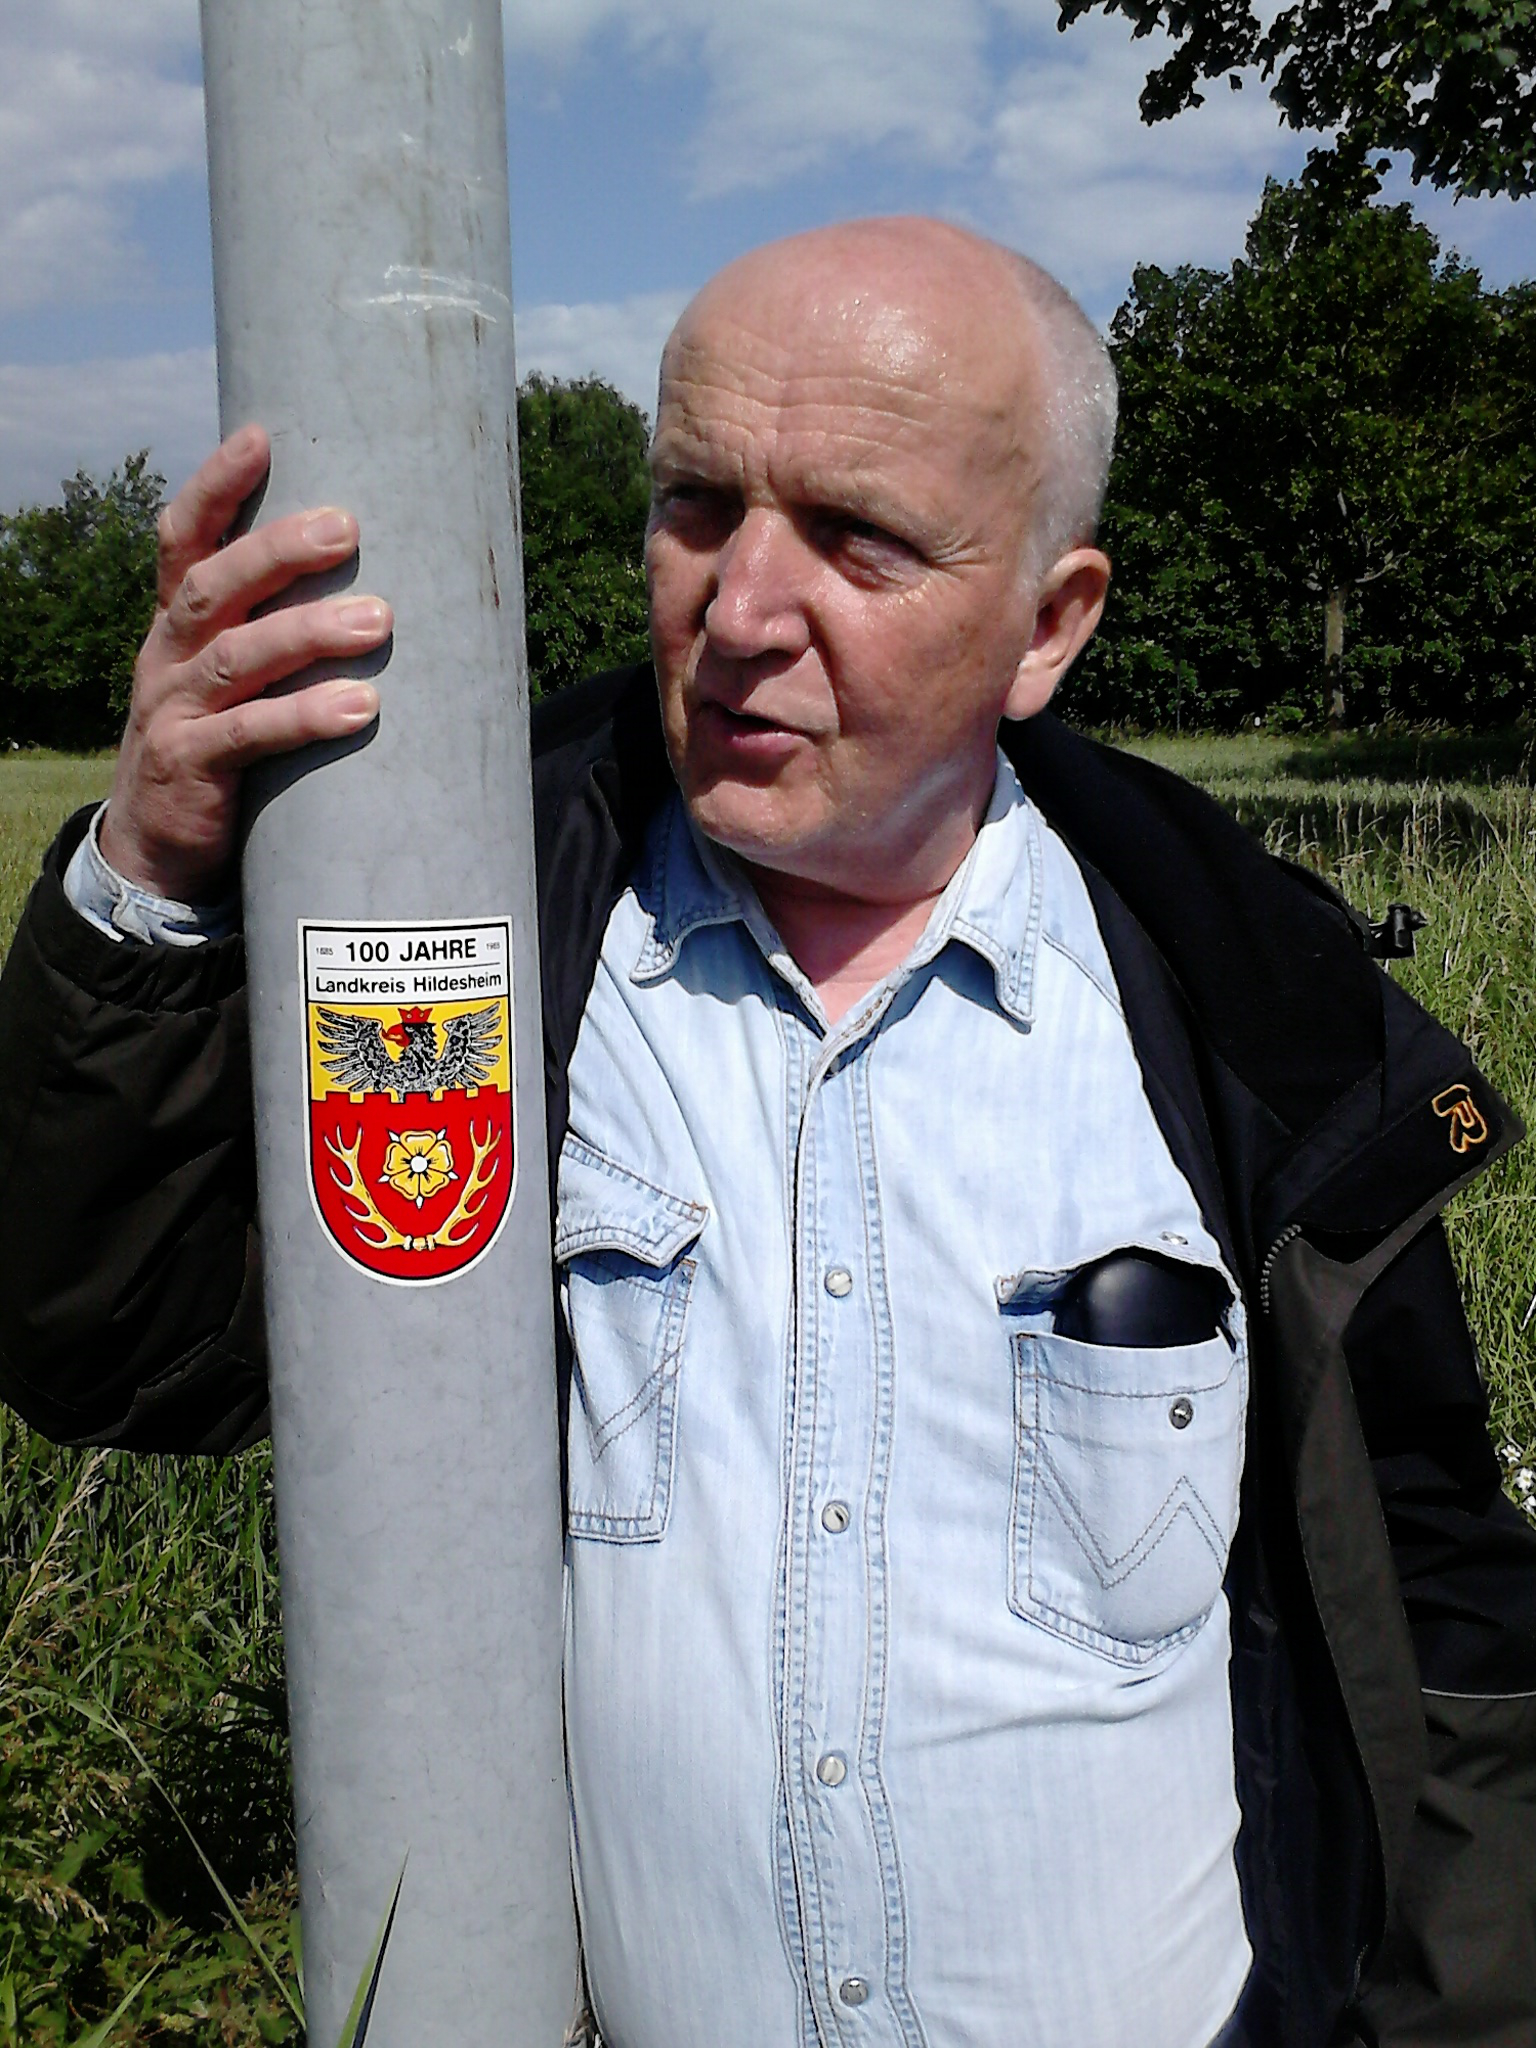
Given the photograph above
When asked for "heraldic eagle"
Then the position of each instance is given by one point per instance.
(355, 1053)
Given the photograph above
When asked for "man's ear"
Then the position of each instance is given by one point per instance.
(1069, 605)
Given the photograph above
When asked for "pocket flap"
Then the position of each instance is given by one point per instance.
(602, 1206)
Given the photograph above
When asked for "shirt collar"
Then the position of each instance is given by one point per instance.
(992, 903)
(685, 884)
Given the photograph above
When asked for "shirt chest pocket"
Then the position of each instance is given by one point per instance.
(1126, 1471)
(622, 1246)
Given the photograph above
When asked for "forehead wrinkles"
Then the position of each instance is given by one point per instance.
(842, 405)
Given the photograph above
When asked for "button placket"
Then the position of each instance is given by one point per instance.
(839, 1882)
(843, 1863)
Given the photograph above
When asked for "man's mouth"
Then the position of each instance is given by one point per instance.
(744, 735)
(749, 721)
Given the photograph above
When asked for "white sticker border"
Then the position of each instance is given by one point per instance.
(404, 924)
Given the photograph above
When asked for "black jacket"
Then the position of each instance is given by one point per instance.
(1383, 1592)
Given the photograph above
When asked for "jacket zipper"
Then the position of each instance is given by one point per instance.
(1290, 1231)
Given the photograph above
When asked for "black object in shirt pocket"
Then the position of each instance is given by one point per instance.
(1129, 1422)
(1143, 1300)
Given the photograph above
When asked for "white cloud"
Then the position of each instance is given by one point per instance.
(1495, 233)
(791, 88)
(1039, 134)
(95, 101)
(1078, 181)
(1024, 133)
(789, 85)
(557, 28)
(55, 420)
(620, 340)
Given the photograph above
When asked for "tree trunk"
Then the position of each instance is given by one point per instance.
(1333, 652)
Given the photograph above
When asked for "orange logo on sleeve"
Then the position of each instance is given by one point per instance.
(1468, 1127)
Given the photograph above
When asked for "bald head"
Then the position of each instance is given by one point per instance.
(992, 339)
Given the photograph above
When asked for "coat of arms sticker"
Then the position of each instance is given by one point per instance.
(412, 1157)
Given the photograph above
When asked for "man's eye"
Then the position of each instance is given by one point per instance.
(861, 542)
(693, 500)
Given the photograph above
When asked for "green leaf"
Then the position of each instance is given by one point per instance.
(79, 1852)
(97, 2037)
(355, 2031)
(102, 1717)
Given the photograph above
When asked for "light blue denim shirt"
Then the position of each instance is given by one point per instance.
(897, 1656)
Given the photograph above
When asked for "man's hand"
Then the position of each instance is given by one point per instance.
(198, 717)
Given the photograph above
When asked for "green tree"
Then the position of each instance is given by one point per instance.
(77, 580)
(585, 495)
(1451, 82)
(1183, 639)
(77, 594)
(1316, 505)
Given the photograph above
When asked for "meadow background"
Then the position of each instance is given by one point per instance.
(1319, 515)
(141, 1693)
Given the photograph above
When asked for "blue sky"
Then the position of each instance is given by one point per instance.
(650, 141)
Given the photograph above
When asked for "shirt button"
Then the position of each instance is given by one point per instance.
(1182, 1412)
(1172, 1237)
(839, 1281)
(832, 1769)
(835, 1517)
(853, 1991)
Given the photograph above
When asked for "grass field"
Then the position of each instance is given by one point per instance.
(138, 1609)
(140, 1658)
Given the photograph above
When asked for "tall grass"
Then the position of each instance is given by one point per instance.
(144, 1587)
(37, 792)
(148, 1586)
(1464, 853)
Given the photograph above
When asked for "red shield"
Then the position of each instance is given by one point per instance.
(411, 1131)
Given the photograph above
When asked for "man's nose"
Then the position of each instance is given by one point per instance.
(758, 606)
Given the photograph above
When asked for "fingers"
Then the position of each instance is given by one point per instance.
(205, 586)
(198, 715)
(244, 660)
(220, 589)
(203, 510)
(223, 742)
(171, 820)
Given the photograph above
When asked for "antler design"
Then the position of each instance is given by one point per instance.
(361, 1206)
(456, 1228)
(473, 1194)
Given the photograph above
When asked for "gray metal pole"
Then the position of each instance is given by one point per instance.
(362, 274)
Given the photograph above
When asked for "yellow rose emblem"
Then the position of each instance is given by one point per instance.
(418, 1164)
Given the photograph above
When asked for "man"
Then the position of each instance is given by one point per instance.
(995, 1211)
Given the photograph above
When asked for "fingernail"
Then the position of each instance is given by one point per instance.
(356, 703)
(327, 529)
(363, 615)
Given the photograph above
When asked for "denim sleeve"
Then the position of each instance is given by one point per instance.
(120, 911)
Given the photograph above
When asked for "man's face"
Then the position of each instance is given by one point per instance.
(837, 606)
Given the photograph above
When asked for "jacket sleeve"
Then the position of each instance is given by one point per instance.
(1458, 1964)
(128, 1266)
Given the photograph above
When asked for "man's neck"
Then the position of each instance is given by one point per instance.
(843, 944)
